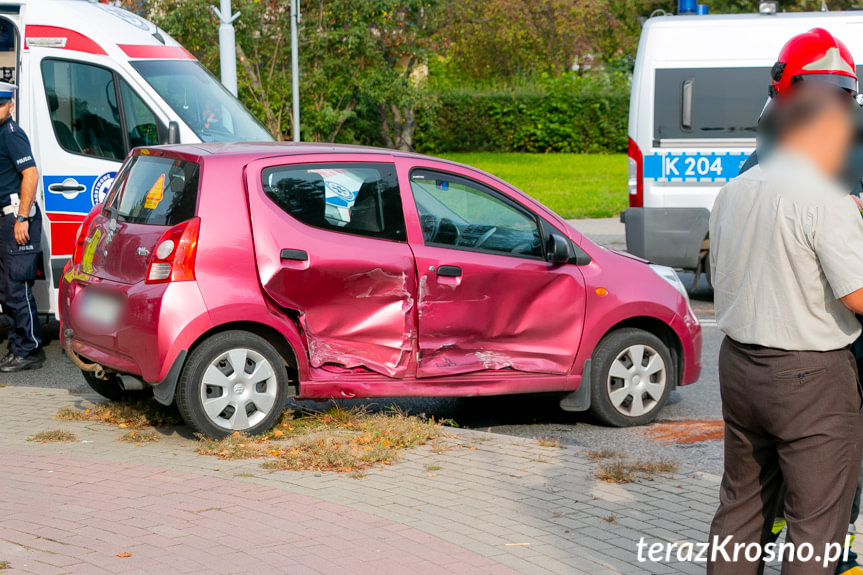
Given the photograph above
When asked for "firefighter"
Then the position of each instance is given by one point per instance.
(20, 237)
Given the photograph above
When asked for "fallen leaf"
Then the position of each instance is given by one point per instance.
(124, 554)
(137, 445)
(516, 544)
(122, 426)
(432, 474)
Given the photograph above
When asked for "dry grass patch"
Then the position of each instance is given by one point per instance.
(548, 441)
(603, 454)
(139, 437)
(132, 415)
(235, 446)
(341, 439)
(622, 470)
(53, 436)
(5, 564)
(338, 439)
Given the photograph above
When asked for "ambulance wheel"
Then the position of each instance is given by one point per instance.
(630, 379)
(111, 389)
(233, 381)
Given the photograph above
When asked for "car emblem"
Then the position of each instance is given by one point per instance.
(142, 251)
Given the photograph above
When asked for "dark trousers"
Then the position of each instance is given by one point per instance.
(792, 416)
(18, 265)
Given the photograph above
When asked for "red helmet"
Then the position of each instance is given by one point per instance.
(814, 55)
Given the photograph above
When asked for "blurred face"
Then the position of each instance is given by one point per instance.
(820, 125)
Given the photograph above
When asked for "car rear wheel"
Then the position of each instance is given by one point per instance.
(111, 389)
(631, 377)
(233, 381)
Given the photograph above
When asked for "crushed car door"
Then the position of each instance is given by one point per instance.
(487, 299)
(330, 243)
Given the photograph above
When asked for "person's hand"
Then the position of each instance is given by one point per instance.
(22, 232)
(859, 202)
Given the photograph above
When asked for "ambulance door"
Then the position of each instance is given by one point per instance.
(89, 117)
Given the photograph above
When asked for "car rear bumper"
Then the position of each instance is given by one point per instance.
(667, 236)
(157, 323)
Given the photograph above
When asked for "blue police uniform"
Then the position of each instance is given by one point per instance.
(18, 263)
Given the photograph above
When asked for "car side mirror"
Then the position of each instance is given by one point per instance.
(557, 249)
(173, 132)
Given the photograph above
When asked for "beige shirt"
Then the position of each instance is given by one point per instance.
(785, 244)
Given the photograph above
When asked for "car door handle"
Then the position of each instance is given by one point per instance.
(295, 255)
(449, 271)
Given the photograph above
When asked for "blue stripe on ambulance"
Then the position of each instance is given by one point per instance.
(693, 167)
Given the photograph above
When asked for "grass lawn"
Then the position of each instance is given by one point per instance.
(573, 185)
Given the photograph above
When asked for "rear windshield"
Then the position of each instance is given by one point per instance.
(156, 191)
(697, 103)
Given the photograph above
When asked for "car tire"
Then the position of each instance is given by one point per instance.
(631, 377)
(215, 399)
(111, 389)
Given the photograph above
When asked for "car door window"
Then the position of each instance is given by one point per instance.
(361, 199)
(462, 214)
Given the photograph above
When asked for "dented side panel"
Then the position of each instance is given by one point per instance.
(354, 295)
(502, 313)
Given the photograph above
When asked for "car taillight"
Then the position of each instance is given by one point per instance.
(174, 258)
(81, 237)
(636, 176)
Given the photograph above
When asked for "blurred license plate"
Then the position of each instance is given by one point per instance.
(100, 308)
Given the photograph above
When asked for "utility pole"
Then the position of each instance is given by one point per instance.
(227, 45)
(295, 68)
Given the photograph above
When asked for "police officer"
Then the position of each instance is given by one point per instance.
(20, 237)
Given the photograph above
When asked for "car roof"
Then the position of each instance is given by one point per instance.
(252, 150)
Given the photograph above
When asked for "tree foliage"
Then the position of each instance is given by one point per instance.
(352, 54)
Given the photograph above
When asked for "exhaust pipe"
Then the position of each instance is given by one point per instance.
(130, 382)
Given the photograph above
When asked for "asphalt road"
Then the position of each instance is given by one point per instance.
(531, 416)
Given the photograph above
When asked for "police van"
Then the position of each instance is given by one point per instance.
(699, 85)
(95, 81)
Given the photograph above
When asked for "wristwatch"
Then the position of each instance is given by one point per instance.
(20, 219)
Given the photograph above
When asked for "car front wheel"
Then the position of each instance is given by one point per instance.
(233, 381)
(631, 377)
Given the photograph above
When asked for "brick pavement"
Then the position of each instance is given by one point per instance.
(507, 505)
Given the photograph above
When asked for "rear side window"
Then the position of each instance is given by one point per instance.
(156, 191)
(698, 103)
(361, 199)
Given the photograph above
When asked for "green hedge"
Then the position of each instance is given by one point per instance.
(566, 114)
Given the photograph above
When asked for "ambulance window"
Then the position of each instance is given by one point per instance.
(82, 100)
(8, 59)
(141, 124)
(201, 101)
(699, 103)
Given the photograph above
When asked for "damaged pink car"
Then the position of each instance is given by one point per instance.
(230, 277)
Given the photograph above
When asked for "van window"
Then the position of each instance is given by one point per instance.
(201, 101)
(698, 103)
(83, 105)
(362, 199)
(141, 124)
(156, 191)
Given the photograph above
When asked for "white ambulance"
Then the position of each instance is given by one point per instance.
(699, 85)
(95, 81)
